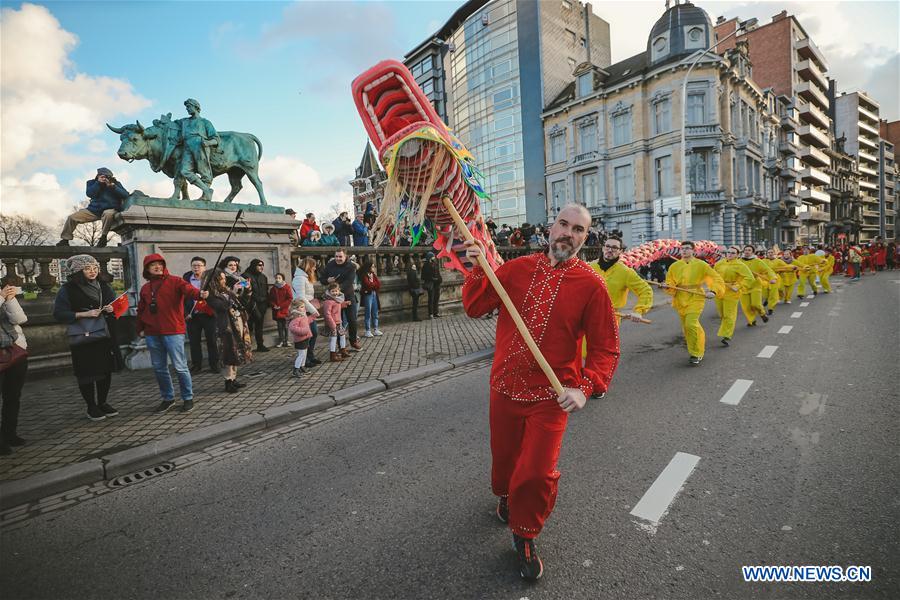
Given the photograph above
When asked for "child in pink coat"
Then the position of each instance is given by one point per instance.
(300, 333)
(335, 331)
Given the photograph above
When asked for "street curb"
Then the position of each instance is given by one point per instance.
(30, 489)
(404, 377)
(52, 482)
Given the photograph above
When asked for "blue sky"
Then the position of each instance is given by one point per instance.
(282, 71)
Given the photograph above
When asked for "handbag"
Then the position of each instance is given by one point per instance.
(11, 355)
(87, 330)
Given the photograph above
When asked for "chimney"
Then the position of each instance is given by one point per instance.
(587, 31)
(782, 15)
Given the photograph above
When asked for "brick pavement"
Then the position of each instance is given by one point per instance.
(53, 414)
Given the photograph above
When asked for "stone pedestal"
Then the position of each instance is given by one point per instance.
(180, 230)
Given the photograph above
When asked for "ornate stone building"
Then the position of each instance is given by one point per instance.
(612, 140)
(368, 185)
(846, 204)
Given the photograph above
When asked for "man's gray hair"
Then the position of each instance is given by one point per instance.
(578, 207)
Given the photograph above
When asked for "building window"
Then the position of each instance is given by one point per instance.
(621, 129)
(587, 136)
(558, 193)
(697, 179)
(663, 176)
(557, 148)
(502, 123)
(590, 189)
(662, 120)
(427, 64)
(428, 87)
(585, 84)
(696, 107)
(501, 68)
(503, 99)
(624, 184)
(570, 37)
(505, 178)
(571, 62)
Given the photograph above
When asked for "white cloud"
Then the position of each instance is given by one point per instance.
(40, 196)
(47, 105)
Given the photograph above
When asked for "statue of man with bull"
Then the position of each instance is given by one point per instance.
(190, 150)
(198, 137)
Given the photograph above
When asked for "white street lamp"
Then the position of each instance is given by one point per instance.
(742, 26)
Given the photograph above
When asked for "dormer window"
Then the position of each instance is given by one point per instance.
(695, 34)
(659, 45)
(585, 84)
(694, 37)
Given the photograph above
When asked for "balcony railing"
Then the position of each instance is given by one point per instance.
(702, 130)
(585, 157)
(814, 136)
(707, 196)
(807, 49)
(810, 71)
(34, 262)
(813, 175)
(788, 148)
(789, 121)
(867, 156)
(867, 114)
(811, 92)
(815, 215)
(811, 114)
(813, 156)
(872, 130)
(814, 196)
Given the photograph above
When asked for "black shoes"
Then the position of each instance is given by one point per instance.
(262, 349)
(164, 406)
(530, 566)
(188, 406)
(695, 360)
(298, 372)
(62, 243)
(764, 318)
(753, 324)
(230, 386)
(12, 440)
(95, 414)
(5, 449)
(725, 341)
(771, 312)
(237, 384)
(196, 369)
(108, 410)
(503, 509)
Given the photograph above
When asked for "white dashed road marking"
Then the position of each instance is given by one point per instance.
(786, 329)
(736, 392)
(767, 352)
(804, 304)
(796, 315)
(656, 500)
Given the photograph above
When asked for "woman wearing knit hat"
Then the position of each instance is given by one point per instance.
(83, 303)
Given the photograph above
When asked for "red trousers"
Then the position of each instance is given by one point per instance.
(525, 441)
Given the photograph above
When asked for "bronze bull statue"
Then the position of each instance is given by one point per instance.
(237, 155)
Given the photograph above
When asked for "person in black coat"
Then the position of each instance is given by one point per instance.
(414, 285)
(85, 296)
(258, 300)
(343, 230)
(200, 320)
(431, 281)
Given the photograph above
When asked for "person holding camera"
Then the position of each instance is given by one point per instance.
(343, 230)
(84, 305)
(107, 196)
(160, 321)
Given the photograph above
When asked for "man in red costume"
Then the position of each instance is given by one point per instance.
(562, 301)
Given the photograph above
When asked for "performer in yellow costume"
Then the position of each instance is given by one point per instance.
(789, 276)
(751, 300)
(620, 278)
(809, 268)
(689, 273)
(779, 267)
(826, 269)
(737, 278)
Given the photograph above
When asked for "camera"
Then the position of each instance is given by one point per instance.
(153, 307)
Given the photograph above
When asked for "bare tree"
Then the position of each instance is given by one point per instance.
(20, 230)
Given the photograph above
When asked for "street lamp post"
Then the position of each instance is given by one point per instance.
(743, 25)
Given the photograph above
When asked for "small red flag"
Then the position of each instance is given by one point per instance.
(120, 305)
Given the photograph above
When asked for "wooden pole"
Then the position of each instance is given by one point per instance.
(678, 289)
(634, 318)
(507, 302)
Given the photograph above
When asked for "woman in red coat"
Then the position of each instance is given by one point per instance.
(280, 296)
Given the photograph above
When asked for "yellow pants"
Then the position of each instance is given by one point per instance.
(787, 290)
(751, 305)
(773, 296)
(826, 284)
(801, 289)
(694, 335)
(727, 309)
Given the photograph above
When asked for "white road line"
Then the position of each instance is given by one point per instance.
(656, 500)
(796, 315)
(767, 352)
(736, 391)
(804, 304)
(786, 329)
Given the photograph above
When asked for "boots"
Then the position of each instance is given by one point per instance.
(230, 387)
(336, 357)
(345, 353)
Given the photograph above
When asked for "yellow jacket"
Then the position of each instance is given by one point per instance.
(810, 264)
(775, 264)
(735, 274)
(829, 265)
(691, 275)
(789, 277)
(762, 273)
(619, 279)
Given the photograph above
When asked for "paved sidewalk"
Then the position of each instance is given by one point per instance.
(53, 414)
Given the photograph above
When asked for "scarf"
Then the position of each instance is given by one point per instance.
(92, 290)
(605, 265)
(339, 298)
(280, 285)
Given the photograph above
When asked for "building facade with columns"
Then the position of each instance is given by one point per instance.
(612, 140)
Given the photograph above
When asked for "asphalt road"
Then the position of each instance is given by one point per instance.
(395, 502)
